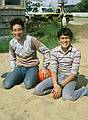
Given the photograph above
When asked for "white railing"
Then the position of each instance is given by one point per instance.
(80, 14)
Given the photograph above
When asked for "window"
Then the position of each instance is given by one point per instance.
(58, 11)
(47, 9)
(12, 2)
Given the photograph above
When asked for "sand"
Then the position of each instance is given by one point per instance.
(21, 104)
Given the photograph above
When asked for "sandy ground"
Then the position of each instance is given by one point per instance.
(21, 104)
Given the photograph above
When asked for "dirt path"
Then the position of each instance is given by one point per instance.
(79, 21)
(82, 44)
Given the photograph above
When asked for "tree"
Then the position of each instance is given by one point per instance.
(80, 7)
(33, 4)
(28, 5)
(83, 6)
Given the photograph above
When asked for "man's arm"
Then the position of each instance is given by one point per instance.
(12, 58)
(74, 68)
(43, 50)
(68, 79)
(57, 90)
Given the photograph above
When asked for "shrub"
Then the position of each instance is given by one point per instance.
(4, 44)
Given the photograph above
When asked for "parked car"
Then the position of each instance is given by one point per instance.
(46, 14)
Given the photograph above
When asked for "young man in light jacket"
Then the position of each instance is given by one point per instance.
(23, 57)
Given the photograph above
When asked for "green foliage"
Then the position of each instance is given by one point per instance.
(83, 6)
(75, 8)
(30, 4)
(80, 7)
(4, 44)
(47, 33)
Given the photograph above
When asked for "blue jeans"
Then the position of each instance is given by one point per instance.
(28, 75)
(69, 92)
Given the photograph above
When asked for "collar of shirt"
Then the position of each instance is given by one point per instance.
(20, 41)
(69, 49)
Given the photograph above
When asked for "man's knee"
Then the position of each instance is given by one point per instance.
(38, 91)
(7, 85)
(29, 85)
(68, 96)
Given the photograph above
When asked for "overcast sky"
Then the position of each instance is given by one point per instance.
(73, 1)
(55, 2)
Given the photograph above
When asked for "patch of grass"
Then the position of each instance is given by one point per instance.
(79, 31)
(47, 34)
(4, 44)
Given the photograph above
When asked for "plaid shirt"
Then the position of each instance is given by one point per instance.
(24, 52)
(65, 62)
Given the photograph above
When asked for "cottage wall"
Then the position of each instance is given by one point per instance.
(8, 12)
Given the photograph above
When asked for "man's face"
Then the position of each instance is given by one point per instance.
(65, 42)
(17, 31)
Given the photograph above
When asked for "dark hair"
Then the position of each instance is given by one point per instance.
(16, 21)
(65, 31)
